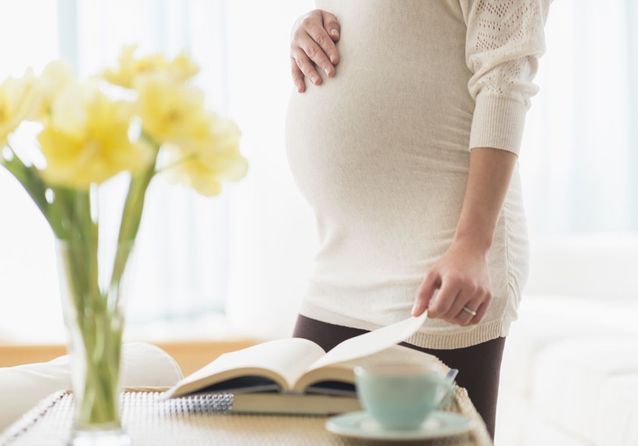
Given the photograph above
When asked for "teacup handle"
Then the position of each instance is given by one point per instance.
(449, 390)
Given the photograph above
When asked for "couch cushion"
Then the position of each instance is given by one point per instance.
(23, 386)
(617, 418)
(569, 378)
(544, 320)
(541, 433)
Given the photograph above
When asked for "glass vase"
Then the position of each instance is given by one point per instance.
(94, 318)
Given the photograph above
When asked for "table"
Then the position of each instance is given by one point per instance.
(204, 420)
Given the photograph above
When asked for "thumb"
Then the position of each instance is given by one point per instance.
(425, 293)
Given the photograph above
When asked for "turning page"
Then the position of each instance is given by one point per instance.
(371, 342)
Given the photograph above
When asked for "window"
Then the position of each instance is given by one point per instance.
(581, 138)
(248, 252)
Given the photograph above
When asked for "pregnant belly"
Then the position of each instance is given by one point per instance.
(363, 141)
(386, 139)
(356, 162)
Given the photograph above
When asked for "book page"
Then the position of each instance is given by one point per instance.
(371, 342)
(343, 372)
(396, 354)
(288, 358)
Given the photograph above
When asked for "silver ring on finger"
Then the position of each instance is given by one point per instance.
(469, 310)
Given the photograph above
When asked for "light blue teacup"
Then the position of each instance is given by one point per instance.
(400, 396)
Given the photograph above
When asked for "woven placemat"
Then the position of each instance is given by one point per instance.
(204, 420)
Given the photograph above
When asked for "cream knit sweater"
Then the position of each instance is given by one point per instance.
(381, 152)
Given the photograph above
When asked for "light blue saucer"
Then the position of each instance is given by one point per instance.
(360, 424)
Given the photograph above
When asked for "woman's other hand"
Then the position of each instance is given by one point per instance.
(462, 279)
(313, 46)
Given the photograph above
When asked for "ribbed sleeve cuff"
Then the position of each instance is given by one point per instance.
(498, 122)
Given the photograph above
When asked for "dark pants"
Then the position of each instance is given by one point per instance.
(479, 365)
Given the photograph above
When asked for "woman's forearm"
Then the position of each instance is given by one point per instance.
(488, 179)
(461, 274)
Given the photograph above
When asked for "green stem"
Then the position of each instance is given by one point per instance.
(103, 340)
(29, 178)
(94, 316)
(97, 328)
(131, 219)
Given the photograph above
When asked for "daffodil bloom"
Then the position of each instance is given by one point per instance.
(131, 69)
(53, 79)
(19, 100)
(86, 139)
(209, 158)
(170, 111)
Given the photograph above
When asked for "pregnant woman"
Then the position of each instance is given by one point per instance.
(403, 135)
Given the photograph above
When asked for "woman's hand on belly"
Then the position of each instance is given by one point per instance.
(313, 46)
(462, 278)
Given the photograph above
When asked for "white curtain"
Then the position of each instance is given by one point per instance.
(180, 268)
(581, 138)
(250, 250)
(28, 279)
(581, 151)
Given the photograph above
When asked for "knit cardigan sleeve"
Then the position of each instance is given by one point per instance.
(504, 41)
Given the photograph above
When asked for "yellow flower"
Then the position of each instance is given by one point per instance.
(131, 69)
(211, 157)
(19, 100)
(54, 77)
(170, 111)
(86, 139)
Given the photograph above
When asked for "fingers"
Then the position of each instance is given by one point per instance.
(455, 294)
(316, 53)
(313, 47)
(450, 288)
(478, 301)
(297, 76)
(480, 311)
(425, 293)
(306, 66)
(464, 296)
(331, 24)
(463, 317)
(319, 35)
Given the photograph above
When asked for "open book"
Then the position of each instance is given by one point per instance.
(297, 366)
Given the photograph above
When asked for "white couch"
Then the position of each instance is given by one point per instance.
(570, 374)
